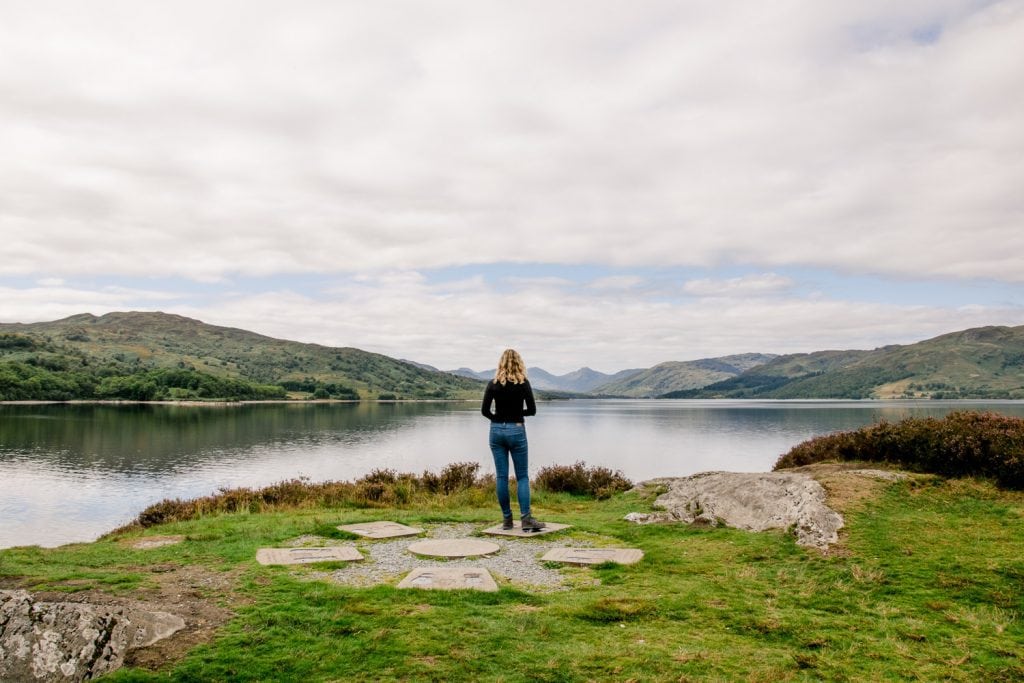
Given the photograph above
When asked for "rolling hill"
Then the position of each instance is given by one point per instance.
(144, 355)
(139, 342)
(682, 375)
(984, 362)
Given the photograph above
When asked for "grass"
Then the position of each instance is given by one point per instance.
(930, 586)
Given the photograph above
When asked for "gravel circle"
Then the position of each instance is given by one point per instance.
(517, 562)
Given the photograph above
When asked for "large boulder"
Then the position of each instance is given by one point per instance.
(752, 501)
(70, 641)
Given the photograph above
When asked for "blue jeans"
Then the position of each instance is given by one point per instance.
(508, 439)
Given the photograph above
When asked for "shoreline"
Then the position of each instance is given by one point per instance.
(299, 401)
(225, 402)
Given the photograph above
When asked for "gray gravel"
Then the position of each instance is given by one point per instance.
(517, 563)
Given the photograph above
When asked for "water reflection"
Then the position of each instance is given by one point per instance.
(70, 473)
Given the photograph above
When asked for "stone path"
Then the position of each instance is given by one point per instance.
(441, 560)
(516, 562)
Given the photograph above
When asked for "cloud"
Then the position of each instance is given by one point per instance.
(617, 282)
(204, 140)
(739, 287)
(55, 300)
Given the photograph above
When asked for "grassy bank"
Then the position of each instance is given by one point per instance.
(927, 584)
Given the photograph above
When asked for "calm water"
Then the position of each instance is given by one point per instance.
(71, 473)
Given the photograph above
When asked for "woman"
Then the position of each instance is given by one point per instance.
(512, 397)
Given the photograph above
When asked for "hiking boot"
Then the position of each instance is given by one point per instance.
(506, 524)
(531, 524)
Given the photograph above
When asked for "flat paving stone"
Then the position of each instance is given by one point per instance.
(593, 555)
(150, 542)
(450, 578)
(381, 529)
(338, 553)
(454, 547)
(517, 532)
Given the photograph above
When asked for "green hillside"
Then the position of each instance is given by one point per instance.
(986, 362)
(86, 350)
(681, 375)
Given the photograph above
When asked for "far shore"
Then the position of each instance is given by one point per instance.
(216, 402)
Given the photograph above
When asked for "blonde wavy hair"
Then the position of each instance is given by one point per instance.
(510, 368)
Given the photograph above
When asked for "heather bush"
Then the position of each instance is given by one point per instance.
(961, 444)
(379, 488)
(457, 484)
(459, 476)
(581, 480)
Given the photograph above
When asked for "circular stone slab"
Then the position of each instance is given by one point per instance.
(454, 547)
(381, 529)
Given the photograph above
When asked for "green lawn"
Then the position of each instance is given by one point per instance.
(928, 586)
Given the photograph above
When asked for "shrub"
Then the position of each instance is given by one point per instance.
(579, 479)
(379, 488)
(459, 476)
(961, 444)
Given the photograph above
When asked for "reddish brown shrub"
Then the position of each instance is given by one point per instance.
(964, 443)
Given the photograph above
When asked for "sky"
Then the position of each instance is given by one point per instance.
(595, 183)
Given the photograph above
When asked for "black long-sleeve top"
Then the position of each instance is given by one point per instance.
(512, 402)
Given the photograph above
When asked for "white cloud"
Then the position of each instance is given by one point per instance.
(617, 282)
(56, 301)
(205, 139)
(739, 287)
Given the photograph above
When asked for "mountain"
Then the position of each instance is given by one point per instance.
(984, 362)
(473, 374)
(140, 342)
(580, 381)
(682, 375)
(586, 380)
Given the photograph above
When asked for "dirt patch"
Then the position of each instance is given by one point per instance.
(850, 485)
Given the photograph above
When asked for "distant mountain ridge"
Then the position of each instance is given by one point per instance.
(582, 381)
(87, 350)
(682, 375)
(984, 362)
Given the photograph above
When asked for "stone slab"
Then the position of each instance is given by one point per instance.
(150, 542)
(450, 578)
(594, 555)
(517, 532)
(307, 555)
(454, 547)
(381, 529)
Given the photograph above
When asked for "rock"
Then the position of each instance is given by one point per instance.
(752, 501)
(70, 641)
